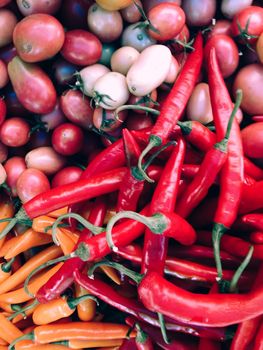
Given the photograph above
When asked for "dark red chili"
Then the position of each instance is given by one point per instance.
(251, 198)
(198, 134)
(256, 237)
(128, 344)
(163, 200)
(253, 221)
(213, 162)
(232, 173)
(252, 169)
(142, 339)
(259, 338)
(63, 278)
(175, 103)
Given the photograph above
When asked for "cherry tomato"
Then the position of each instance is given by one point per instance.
(105, 119)
(74, 13)
(38, 37)
(31, 183)
(66, 175)
(231, 7)
(168, 20)
(197, 14)
(45, 159)
(54, 118)
(123, 58)
(76, 108)
(33, 87)
(180, 40)
(14, 132)
(113, 5)
(247, 24)
(4, 2)
(250, 80)
(199, 105)
(3, 74)
(39, 138)
(14, 106)
(222, 26)
(252, 138)
(67, 139)
(106, 25)
(8, 22)
(2, 110)
(226, 52)
(88, 76)
(14, 167)
(137, 121)
(30, 7)
(149, 4)
(7, 53)
(81, 47)
(131, 13)
(147, 101)
(137, 37)
(63, 72)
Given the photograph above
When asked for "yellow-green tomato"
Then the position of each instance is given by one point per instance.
(123, 58)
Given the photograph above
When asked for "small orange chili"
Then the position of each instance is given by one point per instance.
(86, 308)
(9, 332)
(29, 239)
(20, 296)
(6, 211)
(76, 330)
(57, 213)
(19, 276)
(87, 344)
(57, 309)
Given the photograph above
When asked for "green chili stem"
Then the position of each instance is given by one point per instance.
(135, 276)
(154, 142)
(23, 310)
(73, 302)
(29, 336)
(217, 233)
(240, 270)
(141, 336)
(163, 328)
(20, 216)
(155, 223)
(7, 267)
(94, 229)
(135, 107)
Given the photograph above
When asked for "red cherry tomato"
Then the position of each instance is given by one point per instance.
(67, 139)
(168, 20)
(2, 110)
(199, 14)
(14, 167)
(247, 24)
(31, 183)
(3, 74)
(76, 108)
(66, 175)
(8, 22)
(252, 137)
(15, 132)
(226, 52)
(30, 7)
(38, 37)
(81, 47)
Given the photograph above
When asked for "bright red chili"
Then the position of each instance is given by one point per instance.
(233, 170)
(175, 103)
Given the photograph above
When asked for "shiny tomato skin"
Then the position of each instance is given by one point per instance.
(259, 47)
(66, 175)
(250, 20)
(33, 87)
(226, 52)
(67, 139)
(8, 22)
(81, 47)
(168, 19)
(252, 137)
(14, 167)
(30, 7)
(38, 37)
(113, 5)
(15, 132)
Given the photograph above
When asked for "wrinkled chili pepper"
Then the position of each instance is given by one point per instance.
(176, 101)
(232, 173)
(213, 162)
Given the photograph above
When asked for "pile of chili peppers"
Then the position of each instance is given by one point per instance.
(168, 254)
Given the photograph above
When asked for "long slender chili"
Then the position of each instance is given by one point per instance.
(176, 101)
(232, 173)
(210, 167)
(63, 278)
(163, 199)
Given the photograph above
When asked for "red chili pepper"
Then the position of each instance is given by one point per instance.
(256, 237)
(142, 339)
(213, 162)
(258, 345)
(198, 134)
(190, 170)
(128, 344)
(63, 278)
(252, 169)
(253, 221)
(163, 200)
(109, 295)
(233, 170)
(175, 103)
(251, 198)
(246, 331)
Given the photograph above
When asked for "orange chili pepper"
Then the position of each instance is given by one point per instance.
(6, 211)
(6, 307)
(111, 273)
(3, 342)
(57, 213)
(27, 240)
(57, 309)
(9, 332)
(19, 276)
(7, 244)
(66, 241)
(76, 330)
(87, 308)
(43, 224)
(87, 344)
(5, 270)
(20, 296)
(26, 311)
(27, 344)
(3, 347)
